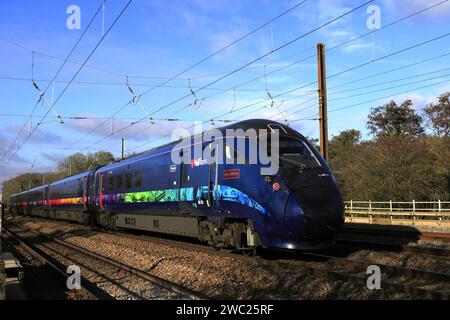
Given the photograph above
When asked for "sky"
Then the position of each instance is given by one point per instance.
(155, 40)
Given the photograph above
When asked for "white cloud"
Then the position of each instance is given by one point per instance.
(407, 6)
(357, 47)
(419, 101)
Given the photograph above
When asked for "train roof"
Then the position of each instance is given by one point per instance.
(70, 178)
(244, 125)
(75, 176)
(29, 190)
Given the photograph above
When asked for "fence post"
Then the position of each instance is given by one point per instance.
(414, 206)
(370, 205)
(390, 206)
(439, 205)
(351, 205)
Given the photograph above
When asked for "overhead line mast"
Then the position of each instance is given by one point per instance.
(323, 117)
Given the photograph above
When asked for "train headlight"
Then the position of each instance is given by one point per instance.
(276, 186)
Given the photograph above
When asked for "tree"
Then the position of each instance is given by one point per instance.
(80, 162)
(393, 120)
(438, 115)
(347, 137)
(343, 150)
(71, 165)
(313, 141)
(402, 168)
(25, 181)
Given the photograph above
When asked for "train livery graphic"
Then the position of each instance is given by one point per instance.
(225, 205)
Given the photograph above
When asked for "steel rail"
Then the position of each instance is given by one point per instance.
(441, 252)
(132, 270)
(44, 260)
(398, 233)
(348, 274)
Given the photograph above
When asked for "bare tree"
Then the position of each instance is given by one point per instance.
(438, 115)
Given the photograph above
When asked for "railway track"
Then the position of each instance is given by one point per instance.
(415, 282)
(428, 284)
(104, 267)
(397, 233)
(399, 279)
(57, 269)
(387, 246)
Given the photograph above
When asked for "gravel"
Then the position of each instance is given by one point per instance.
(225, 277)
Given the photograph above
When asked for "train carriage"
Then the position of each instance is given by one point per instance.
(225, 201)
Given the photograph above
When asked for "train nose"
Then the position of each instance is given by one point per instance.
(323, 211)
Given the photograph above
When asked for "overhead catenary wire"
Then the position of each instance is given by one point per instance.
(284, 67)
(199, 62)
(389, 71)
(334, 47)
(261, 57)
(209, 75)
(76, 73)
(330, 49)
(300, 119)
(54, 77)
(376, 60)
(228, 74)
(444, 1)
(355, 67)
(229, 45)
(135, 84)
(376, 91)
(292, 90)
(383, 97)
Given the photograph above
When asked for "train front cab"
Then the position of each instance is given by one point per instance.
(313, 214)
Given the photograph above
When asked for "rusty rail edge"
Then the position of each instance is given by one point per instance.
(46, 261)
(167, 284)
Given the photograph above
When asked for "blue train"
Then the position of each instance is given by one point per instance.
(225, 205)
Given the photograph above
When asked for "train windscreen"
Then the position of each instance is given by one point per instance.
(295, 153)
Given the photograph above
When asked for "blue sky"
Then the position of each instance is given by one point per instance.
(157, 39)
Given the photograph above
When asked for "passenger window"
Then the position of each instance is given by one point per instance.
(111, 183)
(119, 182)
(137, 179)
(128, 180)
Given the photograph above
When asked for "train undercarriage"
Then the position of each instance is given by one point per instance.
(219, 233)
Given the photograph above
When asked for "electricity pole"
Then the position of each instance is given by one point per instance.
(123, 148)
(323, 113)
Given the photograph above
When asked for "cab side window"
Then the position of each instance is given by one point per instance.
(138, 179)
(128, 180)
(119, 182)
(111, 183)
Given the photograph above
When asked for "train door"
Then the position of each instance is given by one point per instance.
(45, 204)
(85, 193)
(100, 191)
(195, 187)
(214, 181)
(91, 192)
